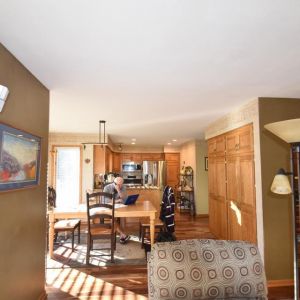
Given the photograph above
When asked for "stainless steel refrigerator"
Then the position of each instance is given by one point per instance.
(154, 173)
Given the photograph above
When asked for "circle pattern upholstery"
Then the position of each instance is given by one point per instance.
(205, 269)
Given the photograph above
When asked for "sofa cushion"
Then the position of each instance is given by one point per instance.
(206, 269)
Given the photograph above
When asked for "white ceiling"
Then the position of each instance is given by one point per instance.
(154, 70)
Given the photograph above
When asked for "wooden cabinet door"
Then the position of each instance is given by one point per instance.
(125, 157)
(232, 179)
(108, 160)
(249, 225)
(116, 162)
(99, 159)
(212, 177)
(220, 178)
(137, 157)
(232, 143)
(172, 174)
(211, 146)
(213, 219)
(175, 157)
(247, 180)
(234, 221)
(245, 139)
(240, 140)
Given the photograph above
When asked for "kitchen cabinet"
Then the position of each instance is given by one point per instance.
(136, 157)
(99, 159)
(239, 141)
(152, 156)
(232, 204)
(116, 162)
(172, 169)
(108, 160)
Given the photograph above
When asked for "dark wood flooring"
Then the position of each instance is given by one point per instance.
(126, 282)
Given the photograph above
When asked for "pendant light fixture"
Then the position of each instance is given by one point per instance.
(102, 135)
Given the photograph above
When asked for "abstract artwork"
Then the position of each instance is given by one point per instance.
(19, 158)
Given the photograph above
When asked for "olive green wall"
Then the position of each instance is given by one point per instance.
(23, 212)
(276, 209)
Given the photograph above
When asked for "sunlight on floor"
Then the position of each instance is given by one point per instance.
(84, 286)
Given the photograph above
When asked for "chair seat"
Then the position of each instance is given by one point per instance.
(67, 224)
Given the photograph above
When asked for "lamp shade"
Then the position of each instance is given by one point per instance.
(281, 184)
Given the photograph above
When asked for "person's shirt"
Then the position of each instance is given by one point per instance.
(111, 188)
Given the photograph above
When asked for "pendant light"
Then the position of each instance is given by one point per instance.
(102, 135)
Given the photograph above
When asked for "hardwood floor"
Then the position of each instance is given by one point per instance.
(126, 282)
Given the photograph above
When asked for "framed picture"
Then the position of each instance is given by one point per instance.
(20, 157)
(206, 163)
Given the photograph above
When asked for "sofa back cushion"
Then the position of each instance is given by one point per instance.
(206, 269)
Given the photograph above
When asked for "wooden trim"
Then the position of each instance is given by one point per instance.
(43, 295)
(280, 282)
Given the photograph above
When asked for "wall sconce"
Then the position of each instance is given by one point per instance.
(3, 95)
(281, 184)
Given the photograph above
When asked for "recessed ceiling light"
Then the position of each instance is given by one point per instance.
(19, 135)
(174, 140)
(169, 143)
(132, 143)
(133, 139)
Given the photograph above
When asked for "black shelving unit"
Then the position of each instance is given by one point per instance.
(185, 193)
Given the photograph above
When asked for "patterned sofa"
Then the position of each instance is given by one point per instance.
(206, 269)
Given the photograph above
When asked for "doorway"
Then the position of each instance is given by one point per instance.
(67, 176)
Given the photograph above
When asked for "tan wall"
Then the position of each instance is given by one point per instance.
(23, 212)
(202, 178)
(276, 209)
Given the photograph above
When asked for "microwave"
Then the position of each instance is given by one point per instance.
(131, 167)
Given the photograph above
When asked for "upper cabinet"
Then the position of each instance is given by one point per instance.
(140, 157)
(217, 146)
(116, 168)
(240, 141)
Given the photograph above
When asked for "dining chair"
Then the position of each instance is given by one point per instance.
(69, 225)
(101, 225)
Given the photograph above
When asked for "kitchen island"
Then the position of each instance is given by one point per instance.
(150, 193)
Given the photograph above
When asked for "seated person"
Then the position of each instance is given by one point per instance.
(119, 193)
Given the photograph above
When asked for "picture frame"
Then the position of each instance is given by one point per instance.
(20, 158)
(206, 163)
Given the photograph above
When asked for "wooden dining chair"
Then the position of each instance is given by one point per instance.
(63, 225)
(100, 218)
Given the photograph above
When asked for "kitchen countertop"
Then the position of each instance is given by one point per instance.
(141, 187)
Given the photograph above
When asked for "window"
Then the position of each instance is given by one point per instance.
(67, 176)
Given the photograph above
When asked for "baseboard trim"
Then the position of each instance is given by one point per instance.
(280, 282)
(43, 296)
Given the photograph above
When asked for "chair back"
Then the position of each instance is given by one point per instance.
(99, 213)
(51, 197)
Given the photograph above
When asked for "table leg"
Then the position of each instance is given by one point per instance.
(152, 218)
(51, 235)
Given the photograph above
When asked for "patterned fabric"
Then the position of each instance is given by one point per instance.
(168, 209)
(206, 269)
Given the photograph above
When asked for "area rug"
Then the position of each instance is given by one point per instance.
(129, 254)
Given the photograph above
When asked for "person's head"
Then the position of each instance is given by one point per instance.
(119, 181)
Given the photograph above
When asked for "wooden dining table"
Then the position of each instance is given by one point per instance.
(139, 209)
